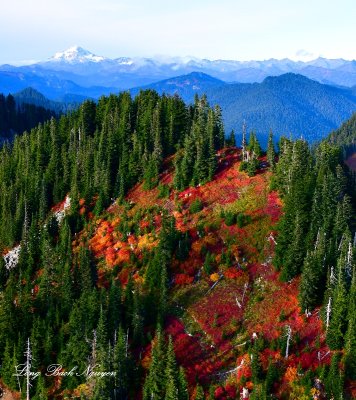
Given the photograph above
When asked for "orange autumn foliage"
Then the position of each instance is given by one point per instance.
(115, 222)
(110, 257)
(244, 370)
(197, 246)
(123, 255)
(214, 277)
(118, 245)
(131, 239)
(291, 374)
(137, 278)
(146, 242)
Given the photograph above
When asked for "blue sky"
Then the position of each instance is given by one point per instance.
(225, 29)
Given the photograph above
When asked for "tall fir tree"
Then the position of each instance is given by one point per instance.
(155, 383)
(271, 153)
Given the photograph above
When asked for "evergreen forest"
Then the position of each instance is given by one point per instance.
(146, 256)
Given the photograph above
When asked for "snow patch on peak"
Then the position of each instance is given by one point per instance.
(76, 54)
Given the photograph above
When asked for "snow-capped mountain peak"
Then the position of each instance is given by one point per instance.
(76, 54)
(88, 69)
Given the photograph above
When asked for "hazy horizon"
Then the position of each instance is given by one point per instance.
(165, 57)
(229, 30)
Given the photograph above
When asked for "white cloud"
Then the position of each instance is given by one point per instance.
(304, 55)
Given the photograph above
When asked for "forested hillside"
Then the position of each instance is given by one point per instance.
(345, 136)
(290, 104)
(15, 118)
(142, 244)
(103, 150)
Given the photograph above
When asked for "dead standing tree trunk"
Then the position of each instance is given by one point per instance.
(328, 312)
(28, 355)
(289, 337)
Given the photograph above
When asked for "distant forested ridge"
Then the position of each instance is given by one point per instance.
(32, 96)
(15, 118)
(290, 105)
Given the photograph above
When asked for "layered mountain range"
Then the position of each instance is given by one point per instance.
(290, 97)
(83, 68)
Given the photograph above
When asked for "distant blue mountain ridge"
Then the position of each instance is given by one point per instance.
(78, 71)
(269, 95)
(290, 104)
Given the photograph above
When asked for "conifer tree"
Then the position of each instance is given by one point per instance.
(77, 349)
(293, 258)
(155, 382)
(350, 337)
(232, 139)
(115, 308)
(87, 270)
(122, 365)
(211, 146)
(171, 371)
(220, 131)
(271, 153)
(35, 340)
(163, 294)
(151, 174)
(335, 379)
(182, 385)
(67, 290)
(337, 328)
(256, 366)
(171, 391)
(41, 391)
(178, 180)
(129, 300)
(313, 277)
(271, 378)
(137, 319)
(199, 393)
(102, 388)
(254, 146)
(8, 366)
(3, 273)
(157, 153)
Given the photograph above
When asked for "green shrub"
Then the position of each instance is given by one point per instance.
(243, 166)
(183, 247)
(230, 218)
(201, 228)
(196, 206)
(208, 263)
(243, 220)
(282, 316)
(163, 191)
